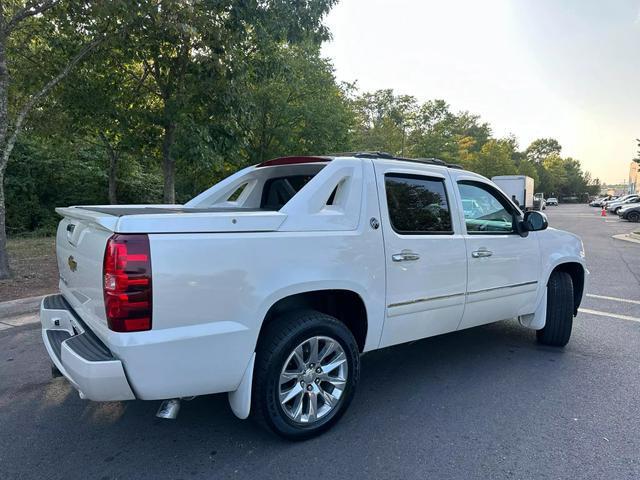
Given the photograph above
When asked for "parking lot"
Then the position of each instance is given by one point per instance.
(482, 403)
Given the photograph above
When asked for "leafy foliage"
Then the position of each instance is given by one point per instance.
(180, 94)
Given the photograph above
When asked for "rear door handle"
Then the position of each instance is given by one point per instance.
(405, 256)
(481, 253)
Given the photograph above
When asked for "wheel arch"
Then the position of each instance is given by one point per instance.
(345, 305)
(577, 272)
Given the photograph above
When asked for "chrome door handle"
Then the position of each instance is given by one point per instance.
(481, 253)
(405, 256)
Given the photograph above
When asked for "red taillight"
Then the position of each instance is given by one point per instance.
(127, 283)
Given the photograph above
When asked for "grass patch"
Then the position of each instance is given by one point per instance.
(34, 268)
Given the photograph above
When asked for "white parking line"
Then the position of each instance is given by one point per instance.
(615, 299)
(611, 315)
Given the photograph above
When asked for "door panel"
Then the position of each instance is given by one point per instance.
(503, 267)
(425, 253)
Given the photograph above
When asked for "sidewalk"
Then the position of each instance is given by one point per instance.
(21, 306)
(7, 323)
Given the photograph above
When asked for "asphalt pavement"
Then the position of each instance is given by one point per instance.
(482, 403)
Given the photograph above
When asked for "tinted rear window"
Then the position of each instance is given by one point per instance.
(278, 191)
(417, 204)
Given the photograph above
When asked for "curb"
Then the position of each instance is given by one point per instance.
(628, 237)
(20, 306)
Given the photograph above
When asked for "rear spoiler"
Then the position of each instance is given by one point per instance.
(196, 222)
(108, 222)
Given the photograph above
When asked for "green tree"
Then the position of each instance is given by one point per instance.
(26, 27)
(383, 121)
(556, 175)
(440, 133)
(191, 51)
(541, 148)
(494, 159)
(105, 108)
(295, 105)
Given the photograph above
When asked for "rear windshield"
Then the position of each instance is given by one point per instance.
(279, 190)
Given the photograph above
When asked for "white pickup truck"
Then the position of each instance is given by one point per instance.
(272, 283)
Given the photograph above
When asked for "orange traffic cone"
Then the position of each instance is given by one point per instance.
(604, 212)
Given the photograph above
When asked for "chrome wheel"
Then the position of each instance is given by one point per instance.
(313, 379)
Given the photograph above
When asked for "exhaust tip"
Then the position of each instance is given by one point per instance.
(169, 409)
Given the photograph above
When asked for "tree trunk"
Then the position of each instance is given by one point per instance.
(8, 138)
(113, 178)
(168, 163)
(112, 170)
(5, 272)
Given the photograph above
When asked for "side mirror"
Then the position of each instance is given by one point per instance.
(535, 221)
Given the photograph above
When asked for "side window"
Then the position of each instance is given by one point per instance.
(485, 209)
(417, 204)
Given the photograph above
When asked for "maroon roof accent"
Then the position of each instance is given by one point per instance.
(293, 160)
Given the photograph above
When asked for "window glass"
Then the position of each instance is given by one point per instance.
(485, 210)
(278, 191)
(417, 204)
(236, 194)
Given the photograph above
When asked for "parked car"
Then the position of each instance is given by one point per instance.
(598, 202)
(606, 203)
(616, 205)
(552, 201)
(630, 212)
(273, 282)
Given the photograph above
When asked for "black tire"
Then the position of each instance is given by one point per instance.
(633, 217)
(557, 329)
(277, 342)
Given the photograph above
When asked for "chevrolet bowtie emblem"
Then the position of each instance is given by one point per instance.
(73, 265)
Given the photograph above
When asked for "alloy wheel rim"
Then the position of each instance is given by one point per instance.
(313, 379)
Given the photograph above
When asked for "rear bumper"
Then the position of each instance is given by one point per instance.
(81, 357)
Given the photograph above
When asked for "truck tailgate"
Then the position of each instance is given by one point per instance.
(80, 246)
(84, 231)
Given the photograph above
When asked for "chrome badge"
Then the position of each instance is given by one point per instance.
(73, 265)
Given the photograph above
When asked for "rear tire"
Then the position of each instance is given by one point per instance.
(557, 329)
(285, 350)
(634, 217)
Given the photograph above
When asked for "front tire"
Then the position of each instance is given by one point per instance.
(633, 217)
(557, 329)
(307, 370)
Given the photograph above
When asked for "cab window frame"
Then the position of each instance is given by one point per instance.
(423, 177)
(507, 204)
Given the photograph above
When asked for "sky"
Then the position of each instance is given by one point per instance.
(567, 69)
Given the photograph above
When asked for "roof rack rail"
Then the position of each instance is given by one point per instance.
(373, 155)
(388, 156)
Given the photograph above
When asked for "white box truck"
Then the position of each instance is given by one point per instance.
(519, 187)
